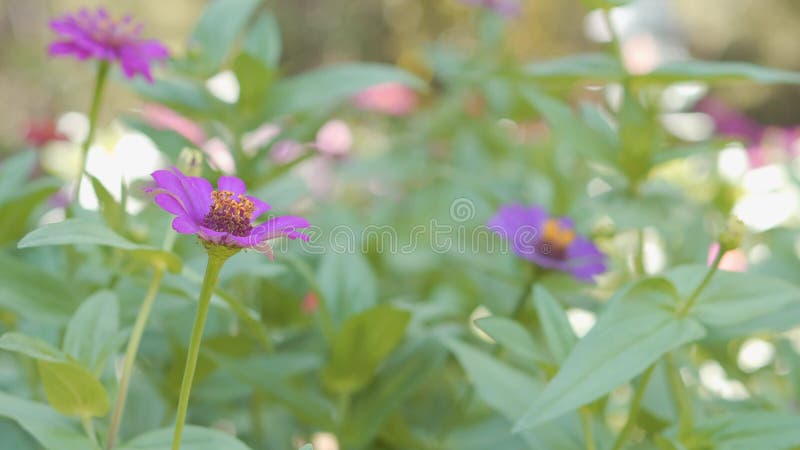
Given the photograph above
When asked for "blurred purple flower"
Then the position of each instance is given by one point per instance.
(223, 216)
(506, 8)
(548, 242)
(760, 140)
(94, 34)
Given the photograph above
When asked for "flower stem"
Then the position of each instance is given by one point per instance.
(130, 355)
(586, 422)
(679, 392)
(215, 262)
(638, 257)
(99, 84)
(88, 427)
(519, 306)
(633, 413)
(707, 279)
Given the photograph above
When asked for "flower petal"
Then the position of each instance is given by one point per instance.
(169, 203)
(232, 184)
(260, 206)
(184, 225)
(280, 226)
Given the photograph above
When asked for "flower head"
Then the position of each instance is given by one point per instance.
(506, 8)
(94, 34)
(548, 242)
(223, 216)
(39, 133)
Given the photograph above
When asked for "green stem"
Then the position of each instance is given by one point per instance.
(100, 81)
(130, 355)
(88, 427)
(634, 409)
(681, 396)
(215, 262)
(638, 258)
(586, 422)
(707, 279)
(519, 306)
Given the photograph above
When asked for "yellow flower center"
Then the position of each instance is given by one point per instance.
(557, 237)
(230, 213)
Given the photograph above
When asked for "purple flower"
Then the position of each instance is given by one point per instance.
(507, 8)
(96, 35)
(548, 242)
(223, 216)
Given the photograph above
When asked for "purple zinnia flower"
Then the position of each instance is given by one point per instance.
(96, 35)
(223, 216)
(548, 242)
(506, 8)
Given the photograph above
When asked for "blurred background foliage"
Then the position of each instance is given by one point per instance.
(323, 31)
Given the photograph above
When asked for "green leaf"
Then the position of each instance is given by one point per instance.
(31, 346)
(216, 32)
(111, 211)
(52, 430)
(348, 284)
(590, 67)
(558, 333)
(194, 438)
(332, 84)
(510, 392)
(365, 340)
(513, 337)
(89, 232)
(637, 328)
(307, 447)
(734, 299)
(264, 40)
(14, 172)
(398, 380)
(182, 94)
(678, 71)
(752, 430)
(92, 328)
(75, 232)
(254, 80)
(35, 294)
(73, 390)
(570, 130)
(16, 209)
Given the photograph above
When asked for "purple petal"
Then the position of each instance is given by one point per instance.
(232, 184)
(184, 225)
(260, 206)
(280, 226)
(170, 204)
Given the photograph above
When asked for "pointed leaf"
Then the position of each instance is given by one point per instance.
(52, 430)
(558, 332)
(513, 337)
(194, 438)
(637, 328)
(31, 346)
(73, 390)
(93, 326)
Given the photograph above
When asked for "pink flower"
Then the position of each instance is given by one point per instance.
(310, 303)
(162, 118)
(42, 132)
(258, 138)
(732, 261)
(334, 138)
(389, 98)
(96, 35)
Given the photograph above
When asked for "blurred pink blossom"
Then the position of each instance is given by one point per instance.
(310, 303)
(162, 118)
(253, 141)
(389, 98)
(219, 156)
(40, 132)
(334, 138)
(732, 261)
(286, 151)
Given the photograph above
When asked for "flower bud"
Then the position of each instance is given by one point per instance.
(732, 234)
(190, 162)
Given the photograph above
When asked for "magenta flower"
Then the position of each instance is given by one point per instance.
(223, 216)
(548, 242)
(94, 34)
(395, 99)
(506, 8)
